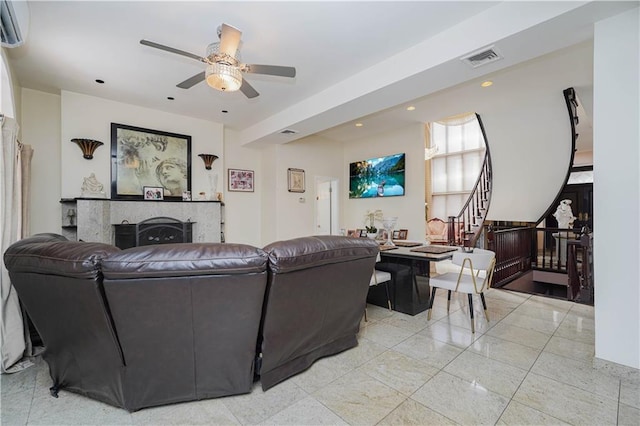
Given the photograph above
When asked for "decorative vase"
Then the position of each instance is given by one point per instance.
(389, 223)
(372, 235)
(213, 186)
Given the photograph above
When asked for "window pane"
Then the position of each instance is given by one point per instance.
(437, 207)
(472, 135)
(455, 203)
(454, 138)
(471, 164)
(454, 173)
(439, 174)
(439, 137)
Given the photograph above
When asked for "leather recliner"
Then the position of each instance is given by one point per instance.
(187, 317)
(60, 285)
(316, 298)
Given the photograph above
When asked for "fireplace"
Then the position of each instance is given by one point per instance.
(98, 220)
(157, 230)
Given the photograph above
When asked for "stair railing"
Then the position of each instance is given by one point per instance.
(466, 227)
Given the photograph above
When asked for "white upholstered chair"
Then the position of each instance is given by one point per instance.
(474, 277)
(380, 277)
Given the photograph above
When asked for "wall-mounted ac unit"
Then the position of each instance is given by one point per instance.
(14, 22)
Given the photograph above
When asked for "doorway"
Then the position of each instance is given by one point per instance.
(326, 206)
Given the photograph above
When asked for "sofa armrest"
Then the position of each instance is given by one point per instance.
(55, 256)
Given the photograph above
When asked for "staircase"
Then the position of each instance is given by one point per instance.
(466, 227)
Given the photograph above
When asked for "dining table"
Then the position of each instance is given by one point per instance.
(409, 262)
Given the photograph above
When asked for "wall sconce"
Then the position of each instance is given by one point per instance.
(88, 146)
(208, 160)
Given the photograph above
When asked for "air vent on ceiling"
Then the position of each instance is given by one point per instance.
(14, 22)
(288, 132)
(482, 57)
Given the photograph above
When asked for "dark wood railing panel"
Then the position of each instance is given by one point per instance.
(513, 250)
(580, 269)
(550, 248)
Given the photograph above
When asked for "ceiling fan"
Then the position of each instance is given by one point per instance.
(224, 68)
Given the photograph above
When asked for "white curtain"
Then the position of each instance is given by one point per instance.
(14, 173)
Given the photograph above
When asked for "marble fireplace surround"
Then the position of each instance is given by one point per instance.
(96, 217)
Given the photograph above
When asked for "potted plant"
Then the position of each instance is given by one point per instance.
(370, 218)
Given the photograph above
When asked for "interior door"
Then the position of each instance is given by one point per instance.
(326, 206)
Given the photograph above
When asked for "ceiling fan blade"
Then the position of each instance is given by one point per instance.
(229, 40)
(172, 50)
(248, 89)
(270, 70)
(192, 81)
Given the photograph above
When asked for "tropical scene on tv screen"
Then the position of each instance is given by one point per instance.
(377, 177)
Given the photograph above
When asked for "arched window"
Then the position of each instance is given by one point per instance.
(456, 166)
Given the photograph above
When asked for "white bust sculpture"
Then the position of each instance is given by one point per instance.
(92, 188)
(564, 214)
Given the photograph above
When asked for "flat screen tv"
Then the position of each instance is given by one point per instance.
(377, 177)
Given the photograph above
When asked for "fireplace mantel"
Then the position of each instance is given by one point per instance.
(96, 217)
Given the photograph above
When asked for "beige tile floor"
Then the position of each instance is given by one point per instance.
(532, 364)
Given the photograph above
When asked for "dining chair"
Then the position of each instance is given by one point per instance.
(380, 277)
(474, 277)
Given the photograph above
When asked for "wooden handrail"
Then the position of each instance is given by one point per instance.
(465, 228)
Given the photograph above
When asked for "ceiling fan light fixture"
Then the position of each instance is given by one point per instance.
(226, 78)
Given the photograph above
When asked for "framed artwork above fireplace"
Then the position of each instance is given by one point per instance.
(149, 158)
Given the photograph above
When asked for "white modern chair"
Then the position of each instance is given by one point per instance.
(380, 277)
(474, 277)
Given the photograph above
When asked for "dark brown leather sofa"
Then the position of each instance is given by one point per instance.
(170, 323)
(315, 299)
(161, 324)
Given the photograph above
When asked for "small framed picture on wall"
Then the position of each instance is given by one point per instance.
(240, 180)
(295, 178)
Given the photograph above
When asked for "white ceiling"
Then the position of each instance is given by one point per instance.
(352, 58)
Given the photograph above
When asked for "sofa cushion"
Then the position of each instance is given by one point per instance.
(184, 259)
(307, 252)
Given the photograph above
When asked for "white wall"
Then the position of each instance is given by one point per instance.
(271, 212)
(90, 117)
(317, 157)
(269, 195)
(410, 208)
(617, 189)
(41, 129)
(243, 210)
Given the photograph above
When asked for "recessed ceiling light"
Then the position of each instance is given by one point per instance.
(411, 108)
(486, 83)
(99, 81)
(224, 111)
(359, 124)
(171, 98)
